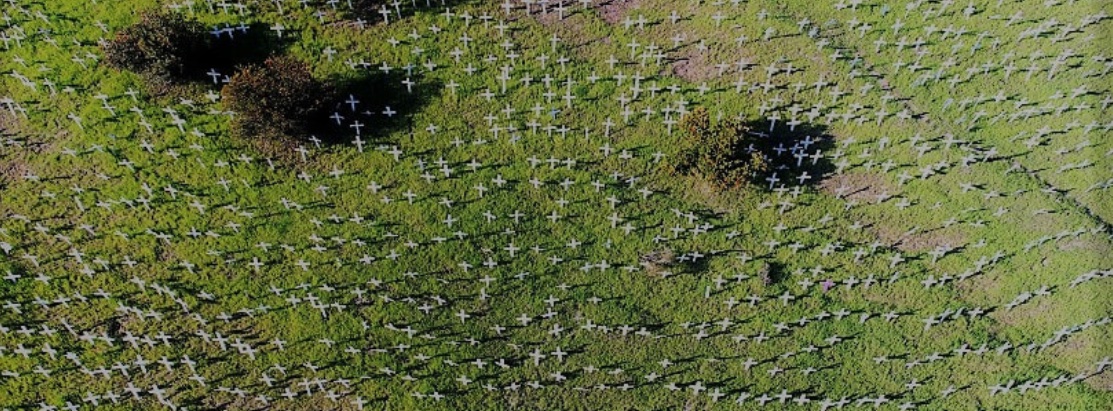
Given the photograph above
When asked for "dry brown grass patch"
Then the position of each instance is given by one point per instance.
(860, 187)
(694, 67)
(614, 11)
(930, 240)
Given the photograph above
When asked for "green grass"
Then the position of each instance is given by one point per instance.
(634, 298)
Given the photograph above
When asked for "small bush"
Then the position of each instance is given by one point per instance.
(719, 152)
(163, 46)
(276, 101)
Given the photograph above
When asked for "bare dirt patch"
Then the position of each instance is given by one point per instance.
(694, 67)
(12, 165)
(11, 170)
(1024, 313)
(866, 188)
(927, 241)
(916, 240)
(614, 11)
(1082, 244)
(1103, 381)
(710, 196)
(860, 187)
(1077, 349)
(550, 15)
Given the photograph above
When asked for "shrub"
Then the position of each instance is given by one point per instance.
(163, 46)
(275, 101)
(719, 152)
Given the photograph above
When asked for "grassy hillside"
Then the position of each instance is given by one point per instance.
(940, 242)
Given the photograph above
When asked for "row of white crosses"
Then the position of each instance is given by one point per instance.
(965, 187)
(636, 87)
(1054, 60)
(1076, 93)
(1080, 91)
(553, 321)
(463, 315)
(1079, 99)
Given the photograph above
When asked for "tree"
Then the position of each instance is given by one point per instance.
(275, 101)
(722, 152)
(164, 46)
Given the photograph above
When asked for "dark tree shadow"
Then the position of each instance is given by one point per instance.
(798, 154)
(373, 104)
(198, 54)
(772, 273)
(232, 47)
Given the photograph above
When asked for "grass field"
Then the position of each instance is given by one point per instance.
(956, 207)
